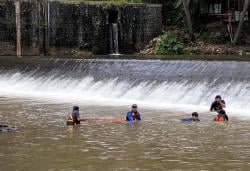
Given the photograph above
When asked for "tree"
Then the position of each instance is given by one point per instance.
(242, 18)
(18, 28)
(186, 4)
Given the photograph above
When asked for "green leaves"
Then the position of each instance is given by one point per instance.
(169, 45)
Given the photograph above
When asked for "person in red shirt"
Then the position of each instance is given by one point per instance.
(221, 117)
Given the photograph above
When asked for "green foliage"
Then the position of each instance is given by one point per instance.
(214, 37)
(205, 36)
(169, 45)
(1, 2)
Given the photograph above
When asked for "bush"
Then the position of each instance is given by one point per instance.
(169, 45)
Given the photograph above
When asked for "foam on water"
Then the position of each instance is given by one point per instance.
(175, 85)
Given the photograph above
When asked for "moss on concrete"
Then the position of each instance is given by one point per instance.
(9, 61)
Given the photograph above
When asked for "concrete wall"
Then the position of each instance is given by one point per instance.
(139, 24)
(78, 26)
(58, 28)
(30, 26)
(7, 28)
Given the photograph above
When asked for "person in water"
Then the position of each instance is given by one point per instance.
(133, 115)
(195, 117)
(74, 117)
(221, 117)
(7, 128)
(218, 104)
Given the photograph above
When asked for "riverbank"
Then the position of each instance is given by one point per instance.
(204, 48)
(177, 41)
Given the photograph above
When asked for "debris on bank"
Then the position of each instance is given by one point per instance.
(201, 47)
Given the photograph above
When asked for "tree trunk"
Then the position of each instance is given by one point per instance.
(18, 28)
(188, 15)
(242, 17)
(46, 25)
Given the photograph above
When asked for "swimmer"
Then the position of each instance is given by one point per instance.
(195, 117)
(133, 115)
(221, 117)
(74, 117)
(218, 104)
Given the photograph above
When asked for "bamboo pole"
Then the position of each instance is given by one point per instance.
(18, 29)
(242, 18)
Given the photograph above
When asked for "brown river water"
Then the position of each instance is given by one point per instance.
(160, 142)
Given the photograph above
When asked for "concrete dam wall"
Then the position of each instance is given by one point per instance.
(55, 28)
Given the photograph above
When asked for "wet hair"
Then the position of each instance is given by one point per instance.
(218, 97)
(195, 114)
(134, 106)
(75, 107)
(223, 112)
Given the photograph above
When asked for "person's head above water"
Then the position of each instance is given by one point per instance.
(222, 112)
(195, 116)
(134, 108)
(221, 117)
(217, 98)
(75, 107)
(133, 115)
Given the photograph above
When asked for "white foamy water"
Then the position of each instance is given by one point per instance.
(174, 93)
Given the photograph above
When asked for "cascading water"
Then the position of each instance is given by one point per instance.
(177, 85)
(113, 39)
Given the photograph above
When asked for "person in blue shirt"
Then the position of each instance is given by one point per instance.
(133, 115)
(195, 117)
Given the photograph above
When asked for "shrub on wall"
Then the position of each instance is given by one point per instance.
(169, 45)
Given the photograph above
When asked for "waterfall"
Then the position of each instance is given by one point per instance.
(113, 38)
(177, 85)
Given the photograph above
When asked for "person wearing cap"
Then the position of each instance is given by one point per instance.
(133, 115)
(195, 117)
(218, 104)
(74, 117)
(221, 117)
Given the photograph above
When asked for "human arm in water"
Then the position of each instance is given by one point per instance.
(77, 116)
(212, 107)
(138, 116)
(74, 118)
(129, 116)
(226, 118)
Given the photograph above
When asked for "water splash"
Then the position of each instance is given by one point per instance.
(182, 86)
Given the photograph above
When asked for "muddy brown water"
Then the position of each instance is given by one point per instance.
(37, 94)
(160, 142)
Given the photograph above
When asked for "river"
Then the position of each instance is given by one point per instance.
(36, 97)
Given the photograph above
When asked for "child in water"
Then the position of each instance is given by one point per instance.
(221, 117)
(133, 115)
(74, 117)
(194, 118)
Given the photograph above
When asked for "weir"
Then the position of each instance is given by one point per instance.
(177, 85)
